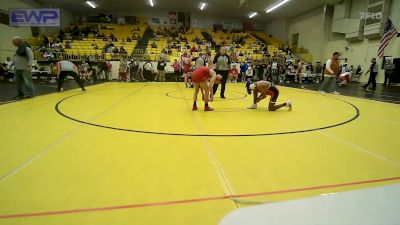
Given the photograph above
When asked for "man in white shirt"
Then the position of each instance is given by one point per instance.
(148, 70)
(330, 73)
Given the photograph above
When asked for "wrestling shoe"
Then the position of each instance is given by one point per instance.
(18, 97)
(208, 108)
(254, 106)
(289, 105)
(194, 108)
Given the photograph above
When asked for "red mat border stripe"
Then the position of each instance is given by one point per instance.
(185, 201)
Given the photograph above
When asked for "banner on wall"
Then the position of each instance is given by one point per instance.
(228, 25)
(237, 26)
(172, 17)
(202, 23)
(142, 19)
(45, 17)
(247, 26)
(155, 20)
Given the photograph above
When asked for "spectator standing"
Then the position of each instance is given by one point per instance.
(299, 70)
(23, 62)
(140, 71)
(260, 71)
(330, 74)
(318, 71)
(200, 61)
(161, 70)
(148, 70)
(134, 71)
(177, 70)
(243, 69)
(123, 70)
(389, 71)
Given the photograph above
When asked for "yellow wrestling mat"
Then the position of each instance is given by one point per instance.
(136, 154)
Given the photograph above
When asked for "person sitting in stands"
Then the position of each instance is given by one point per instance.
(68, 45)
(87, 75)
(163, 54)
(122, 50)
(193, 49)
(234, 56)
(128, 39)
(153, 45)
(115, 50)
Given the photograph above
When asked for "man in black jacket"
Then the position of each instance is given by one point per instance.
(222, 64)
(161, 70)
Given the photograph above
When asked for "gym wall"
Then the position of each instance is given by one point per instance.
(322, 43)
(7, 33)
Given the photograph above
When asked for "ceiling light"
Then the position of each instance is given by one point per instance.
(151, 3)
(279, 4)
(252, 15)
(203, 4)
(91, 4)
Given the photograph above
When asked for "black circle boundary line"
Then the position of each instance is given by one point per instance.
(357, 115)
(229, 99)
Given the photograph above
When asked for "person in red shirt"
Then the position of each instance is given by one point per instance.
(193, 49)
(233, 74)
(177, 70)
(204, 78)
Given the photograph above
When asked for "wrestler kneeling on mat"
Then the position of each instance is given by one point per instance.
(260, 91)
(204, 78)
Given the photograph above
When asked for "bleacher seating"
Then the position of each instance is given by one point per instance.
(93, 46)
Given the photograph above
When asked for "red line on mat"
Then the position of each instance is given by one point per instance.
(151, 204)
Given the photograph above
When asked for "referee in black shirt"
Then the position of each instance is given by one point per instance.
(222, 64)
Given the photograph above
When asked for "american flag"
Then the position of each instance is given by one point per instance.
(389, 32)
